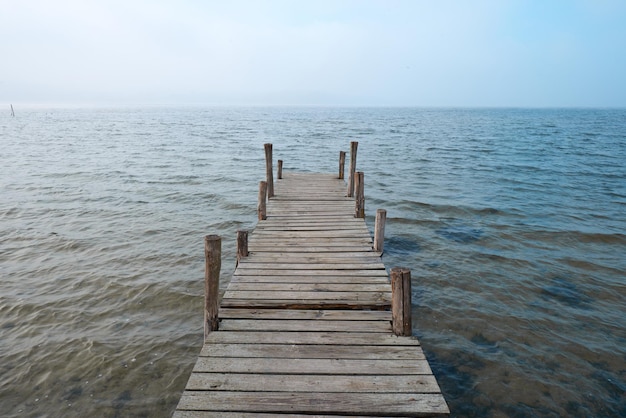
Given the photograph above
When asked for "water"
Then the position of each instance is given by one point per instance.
(511, 220)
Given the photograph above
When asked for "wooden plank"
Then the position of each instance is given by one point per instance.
(327, 227)
(307, 287)
(320, 279)
(258, 248)
(303, 215)
(311, 234)
(306, 304)
(409, 404)
(317, 314)
(311, 366)
(314, 383)
(316, 257)
(303, 325)
(314, 241)
(329, 296)
(361, 352)
(224, 414)
(312, 272)
(320, 338)
(315, 261)
(348, 220)
(251, 265)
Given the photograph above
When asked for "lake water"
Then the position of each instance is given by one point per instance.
(512, 221)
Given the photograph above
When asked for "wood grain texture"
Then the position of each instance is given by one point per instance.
(305, 325)
(383, 404)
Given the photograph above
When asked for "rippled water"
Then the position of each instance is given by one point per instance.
(511, 220)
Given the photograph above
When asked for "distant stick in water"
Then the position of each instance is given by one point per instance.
(12, 112)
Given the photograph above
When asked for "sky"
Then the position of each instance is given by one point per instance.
(478, 53)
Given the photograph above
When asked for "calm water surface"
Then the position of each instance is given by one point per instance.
(513, 222)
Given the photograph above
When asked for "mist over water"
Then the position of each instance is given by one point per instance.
(512, 222)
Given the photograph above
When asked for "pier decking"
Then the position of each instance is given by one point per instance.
(305, 323)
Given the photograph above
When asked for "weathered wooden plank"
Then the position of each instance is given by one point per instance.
(307, 287)
(312, 272)
(223, 414)
(303, 215)
(266, 261)
(299, 221)
(245, 265)
(291, 295)
(320, 279)
(314, 383)
(332, 227)
(311, 234)
(314, 241)
(303, 325)
(258, 248)
(362, 352)
(306, 304)
(311, 366)
(321, 338)
(317, 314)
(293, 245)
(315, 256)
(301, 260)
(409, 404)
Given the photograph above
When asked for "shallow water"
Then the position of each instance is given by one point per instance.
(511, 220)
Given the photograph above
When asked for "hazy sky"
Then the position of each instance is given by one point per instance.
(335, 52)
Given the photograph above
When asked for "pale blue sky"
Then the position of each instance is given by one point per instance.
(335, 52)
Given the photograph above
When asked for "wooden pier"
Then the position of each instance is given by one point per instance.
(306, 326)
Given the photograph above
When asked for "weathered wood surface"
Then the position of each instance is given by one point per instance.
(305, 324)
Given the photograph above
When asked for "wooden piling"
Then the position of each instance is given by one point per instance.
(213, 264)
(242, 245)
(379, 231)
(262, 206)
(401, 301)
(269, 171)
(280, 169)
(359, 205)
(306, 325)
(342, 164)
(353, 148)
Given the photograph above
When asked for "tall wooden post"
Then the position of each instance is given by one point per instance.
(262, 207)
(353, 148)
(280, 169)
(213, 264)
(379, 231)
(401, 301)
(359, 205)
(269, 171)
(242, 245)
(342, 164)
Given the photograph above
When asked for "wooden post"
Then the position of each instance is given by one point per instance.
(342, 163)
(269, 171)
(359, 205)
(379, 231)
(353, 147)
(213, 264)
(262, 208)
(401, 301)
(242, 245)
(280, 169)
